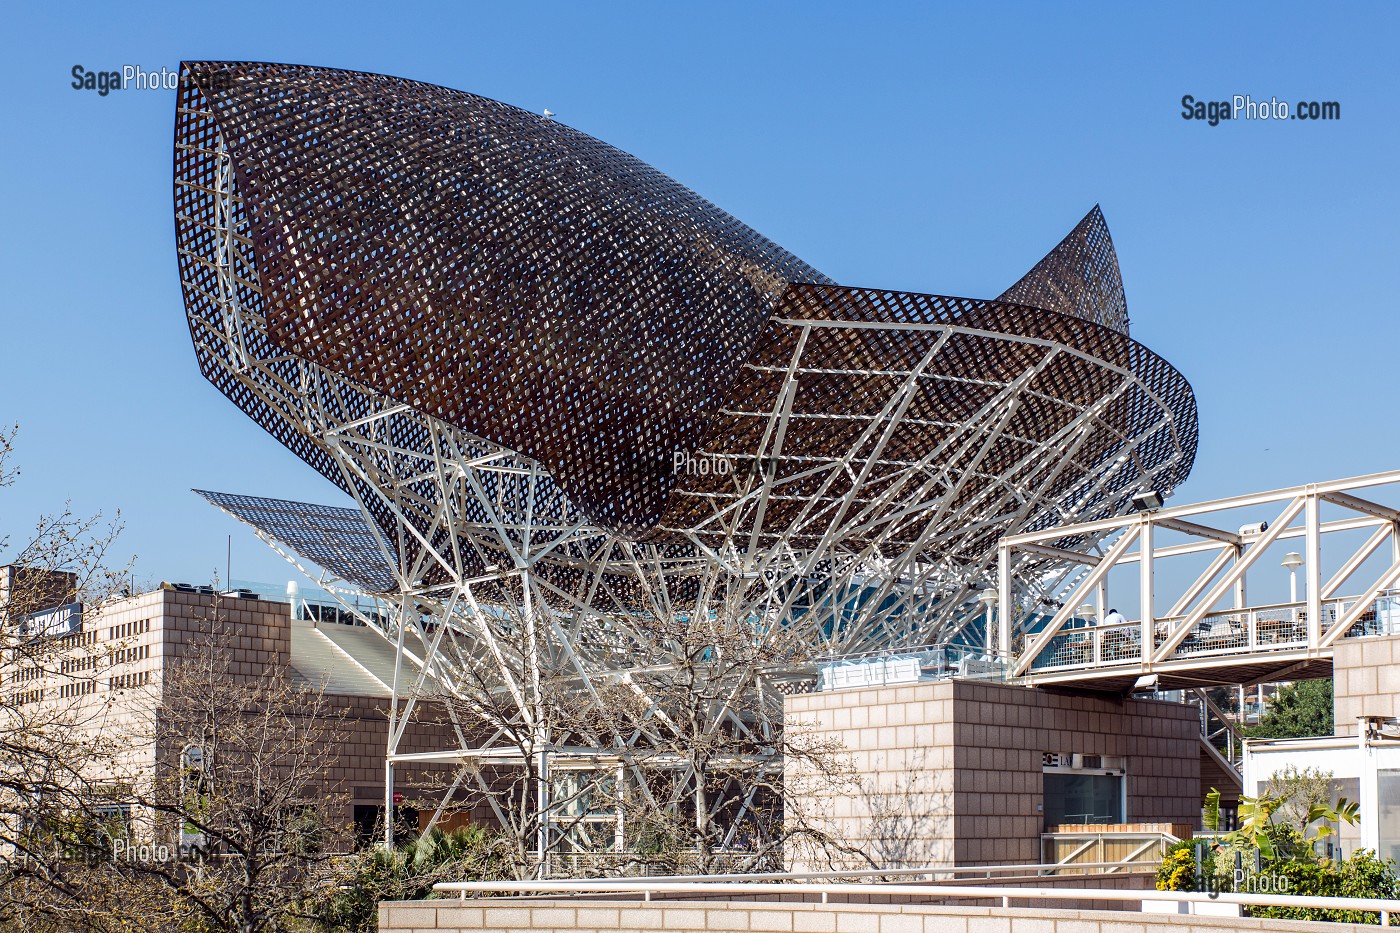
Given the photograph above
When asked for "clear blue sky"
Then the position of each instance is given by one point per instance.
(920, 147)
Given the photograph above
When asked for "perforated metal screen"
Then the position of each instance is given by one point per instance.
(538, 289)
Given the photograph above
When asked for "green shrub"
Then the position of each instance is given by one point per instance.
(408, 872)
(1362, 875)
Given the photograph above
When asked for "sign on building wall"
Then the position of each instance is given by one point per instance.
(65, 620)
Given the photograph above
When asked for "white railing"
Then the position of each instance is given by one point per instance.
(1250, 630)
(984, 871)
(648, 888)
(1319, 519)
(886, 667)
(1139, 860)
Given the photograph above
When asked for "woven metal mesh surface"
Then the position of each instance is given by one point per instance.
(1079, 276)
(840, 412)
(536, 288)
(506, 273)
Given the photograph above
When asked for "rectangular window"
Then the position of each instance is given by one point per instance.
(1083, 798)
(1348, 837)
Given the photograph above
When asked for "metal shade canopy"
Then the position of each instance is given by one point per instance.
(336, 539)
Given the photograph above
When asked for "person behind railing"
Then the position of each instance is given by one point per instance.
(1114, 617)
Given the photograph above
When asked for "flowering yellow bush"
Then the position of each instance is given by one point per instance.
(1178, 869)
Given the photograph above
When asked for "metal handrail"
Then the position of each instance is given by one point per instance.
(1251, 631)
(897, 872)
(1385, 907)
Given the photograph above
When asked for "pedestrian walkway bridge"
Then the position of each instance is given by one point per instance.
(1203, 561)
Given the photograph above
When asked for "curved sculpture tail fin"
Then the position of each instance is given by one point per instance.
(1079, 276)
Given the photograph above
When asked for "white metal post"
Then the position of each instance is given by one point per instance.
(1368, 789)
(538, 726)
(389, 804)
(620, 831)
(1241, 591)
(1146, 591)
(1312, 564)
(1004, 602)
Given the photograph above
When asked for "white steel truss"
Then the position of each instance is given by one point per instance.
(1212, 633)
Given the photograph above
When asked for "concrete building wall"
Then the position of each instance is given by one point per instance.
(700, 916)
(1365, 680)
(951, 772)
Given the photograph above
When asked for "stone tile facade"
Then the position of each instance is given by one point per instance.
(115, 667)
(1365, 680)
(951, 771)
(579, 916)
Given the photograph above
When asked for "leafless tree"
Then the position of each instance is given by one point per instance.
(198, 801)
(240, 790)
(513, 694)
(54, 747)
(688, 743)
(718, 759)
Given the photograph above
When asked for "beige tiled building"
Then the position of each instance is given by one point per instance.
(1365, 681)
(109, 668)
(965, 772)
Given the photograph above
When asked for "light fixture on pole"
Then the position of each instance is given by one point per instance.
(988, 598)
(1088, 612)
(1293, 560)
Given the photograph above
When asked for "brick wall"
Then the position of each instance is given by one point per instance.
(951, 772)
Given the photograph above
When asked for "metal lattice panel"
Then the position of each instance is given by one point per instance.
(340, 540)
(505, 273)
(1079, 276)
(835, 363)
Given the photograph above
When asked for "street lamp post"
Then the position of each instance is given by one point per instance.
(1293, 560)
(988, 598)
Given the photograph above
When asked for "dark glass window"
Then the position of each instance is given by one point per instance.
(1083, 798)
